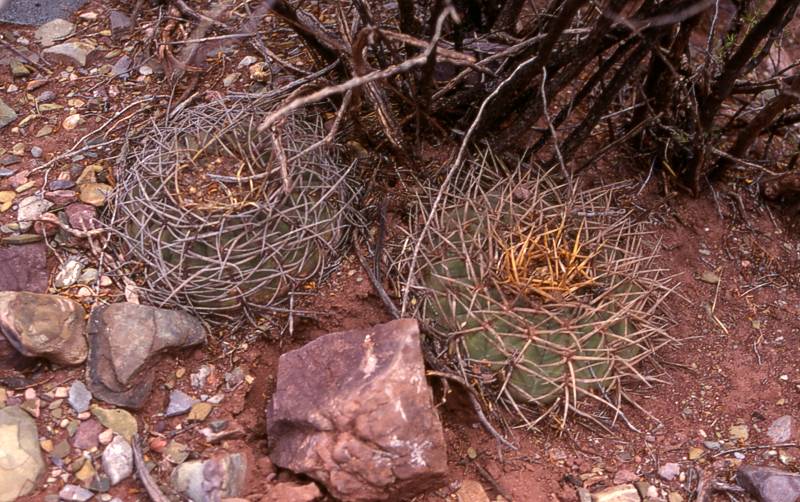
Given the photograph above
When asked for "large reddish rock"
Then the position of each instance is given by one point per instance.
(23, 268)
(353, 410)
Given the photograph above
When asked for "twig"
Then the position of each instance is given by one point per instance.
(476, 406)
(350, 84)
(757, 447)
(155, 493)
(490, 479)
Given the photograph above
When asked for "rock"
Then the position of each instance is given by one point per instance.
(81, 216)
(23, 268)
(54, 31)
(230, 79)
(122, 67)
(21, 464)
(45, 326)
(87, 435)
(782, 430)
(674, 497)
(471, 491)
(46, 97)
(120, 24)
(68, 274)
(71, 121)
(106, 436)
(18, 69)
(9, 159)
(7, 114)
(30, 208)
(126, 341)
(61, 197)
(621, 493)
(70, 52)
(118, 460)
(353, 411)
(95, 193)
(739, 432)
(6, 200)
(119, 421)
(767, 484)
(176, 452)
(291, 492)
(246, 61)
(624, 476)
(669, 471)
(75, 493)
(179, 403)
(210, 480)
(199, 412)
(79, 397)
(37, 12)
(56, 185)
(36, 152)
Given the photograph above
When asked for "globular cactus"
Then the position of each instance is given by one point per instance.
(220, 216)
(538, 294)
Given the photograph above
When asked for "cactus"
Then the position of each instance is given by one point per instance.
(229, 243)
(538, 294)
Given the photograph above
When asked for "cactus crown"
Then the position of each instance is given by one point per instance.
(543, 298)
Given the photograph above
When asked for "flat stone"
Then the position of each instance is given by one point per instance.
(60, 184)
(87, 435)
(767, 484)
(471, 491)
(292, 492)
(30, 208)
(122, 67)
(199, 412)
(22, 467)
(9, 159)
(119, 23)
(70, 52)
(176, 452)
(739, 432)
(46, 97)
(38, 12)
(61, 197)
(79, 397)
(353, 410)
(53, 31)
(621, 493)
(782, 430)
(127, 340)
(221, 476)
(7, 114)
(119, 421)
(23, 268)
(45, 326)
(75, 493)
(179, 403)
(118, 460)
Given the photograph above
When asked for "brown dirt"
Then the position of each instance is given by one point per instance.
(735, 364)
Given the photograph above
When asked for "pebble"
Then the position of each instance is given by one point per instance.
(68, 275)
(739, 432)
(118, 460)
(179, 403)
(6, 200)
(669, 471)
(200, 412)
(75, 493)
(7, 114)
(79, 397)
(95, 194)
(18, 69)
(106, 436)
(46, 97)
(36, 152)
(29, 209)
(120, 421)
(782, 429)
(246, 61)
(71, 122)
